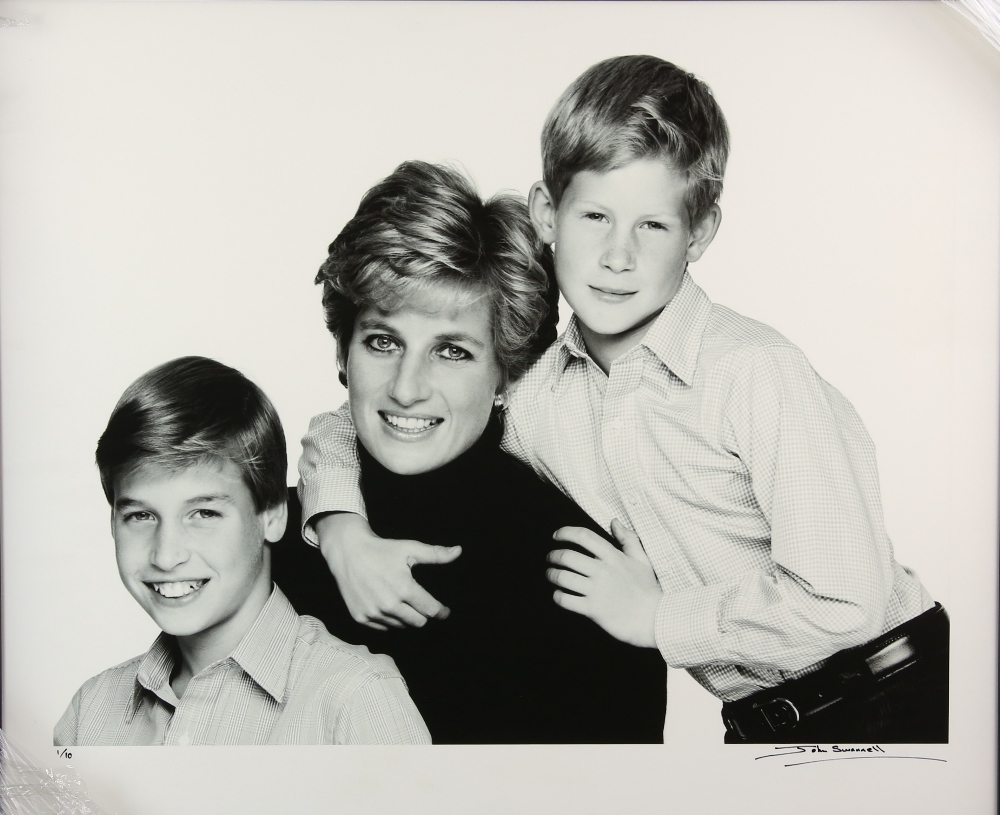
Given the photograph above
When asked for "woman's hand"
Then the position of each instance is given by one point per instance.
(373, 573)
(616, 589)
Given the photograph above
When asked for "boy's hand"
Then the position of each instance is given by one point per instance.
(618, 590)
(373, 573)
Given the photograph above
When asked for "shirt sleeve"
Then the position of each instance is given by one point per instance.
(813, 476)
(380, 711)
(329, 471)
(65, 734)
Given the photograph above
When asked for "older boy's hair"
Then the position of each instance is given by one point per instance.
(425, 225)
(192, 410)
(635, 107)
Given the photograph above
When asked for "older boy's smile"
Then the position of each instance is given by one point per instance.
(177, 589)
(190, 549)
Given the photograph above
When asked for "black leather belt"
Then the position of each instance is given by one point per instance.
(850, 674)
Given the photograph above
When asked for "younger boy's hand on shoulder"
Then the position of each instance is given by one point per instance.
(616, 589)
(373, 573)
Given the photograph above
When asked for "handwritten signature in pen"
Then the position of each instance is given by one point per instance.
(799, 754)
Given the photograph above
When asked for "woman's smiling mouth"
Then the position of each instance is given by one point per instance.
(408, 424)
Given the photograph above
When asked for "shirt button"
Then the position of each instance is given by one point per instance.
(633, 500)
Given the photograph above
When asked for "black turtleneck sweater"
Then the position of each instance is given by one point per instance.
(508, 665)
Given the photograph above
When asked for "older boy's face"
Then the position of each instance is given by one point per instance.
(622, 240)
(190, 549)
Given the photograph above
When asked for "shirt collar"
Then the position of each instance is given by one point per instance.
(157, 666)
(572, 340)
(674, 337)
(264, 653)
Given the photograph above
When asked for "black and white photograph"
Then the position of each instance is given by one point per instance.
(550, 407)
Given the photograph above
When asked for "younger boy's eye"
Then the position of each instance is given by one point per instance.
(454, 353)
(137, 516)
(381, 344)
(654, 225)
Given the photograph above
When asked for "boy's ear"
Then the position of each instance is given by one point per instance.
(703, 233)
(275, 520)
(543, 212)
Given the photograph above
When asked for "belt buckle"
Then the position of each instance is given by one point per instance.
(780, 714)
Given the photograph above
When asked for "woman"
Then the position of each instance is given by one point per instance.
(438, 302)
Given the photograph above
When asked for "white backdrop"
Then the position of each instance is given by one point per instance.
(170, 177)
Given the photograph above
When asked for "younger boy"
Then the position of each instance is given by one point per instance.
(193, 464)
(750, 481)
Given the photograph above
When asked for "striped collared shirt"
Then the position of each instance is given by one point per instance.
(750, 480)
(288, 682)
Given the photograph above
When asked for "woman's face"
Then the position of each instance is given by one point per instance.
(421, 379)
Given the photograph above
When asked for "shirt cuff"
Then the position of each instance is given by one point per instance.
(687, 627)
(329, 490)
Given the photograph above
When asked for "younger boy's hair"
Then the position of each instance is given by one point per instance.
(192, 410)
(636, 107)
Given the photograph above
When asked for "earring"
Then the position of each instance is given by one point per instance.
(552, 246)
(500, 401)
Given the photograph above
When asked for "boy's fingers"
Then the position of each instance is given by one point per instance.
(586, 539)
(407, 616)
(425, 553)
(375, 625)
(423, 603)
(378, 620)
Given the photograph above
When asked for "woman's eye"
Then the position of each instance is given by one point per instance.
(381, 343)
(594, 216)
(454, 353)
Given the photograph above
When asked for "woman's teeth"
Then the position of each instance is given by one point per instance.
(177, 589)
(409, 422)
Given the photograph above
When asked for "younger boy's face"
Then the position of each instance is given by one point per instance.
(622, 241)
(190, 549)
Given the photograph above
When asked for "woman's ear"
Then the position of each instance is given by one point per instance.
(542, 209)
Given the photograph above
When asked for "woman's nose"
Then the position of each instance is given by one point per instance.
(169, 547)
(411, 382)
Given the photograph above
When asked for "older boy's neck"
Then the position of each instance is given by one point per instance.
(198, 651)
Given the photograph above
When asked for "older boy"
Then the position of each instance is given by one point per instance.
(193, 464)
(750, 481)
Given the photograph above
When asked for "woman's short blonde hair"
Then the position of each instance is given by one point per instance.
(426, 225)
